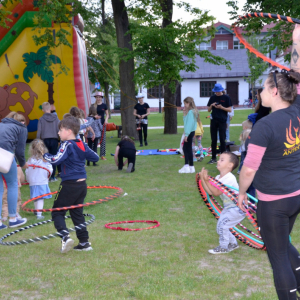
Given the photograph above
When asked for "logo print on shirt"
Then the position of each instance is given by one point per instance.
(293, 141)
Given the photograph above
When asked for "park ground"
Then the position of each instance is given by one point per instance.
(168, 262)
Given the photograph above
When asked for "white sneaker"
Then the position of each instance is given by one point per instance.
(185, 169)
(192, 169)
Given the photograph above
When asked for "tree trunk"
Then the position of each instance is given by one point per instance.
(50, 92)
(169, 96)
(126, 69)
(170, 111)
(106, 90)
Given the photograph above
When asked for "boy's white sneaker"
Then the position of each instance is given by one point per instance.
(66, 244)
(232, 247)
(185, 169)
(192, 169)
(218, 250)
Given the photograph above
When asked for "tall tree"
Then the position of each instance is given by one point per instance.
(126, 68)
(163, 48)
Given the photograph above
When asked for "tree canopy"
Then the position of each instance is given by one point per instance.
(280, 35)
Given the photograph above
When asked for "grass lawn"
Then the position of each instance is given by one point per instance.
(169, 262)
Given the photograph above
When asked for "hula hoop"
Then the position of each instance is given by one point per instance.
(35, 166)
(106, 199)
(130, 229)
(216, 209)
(238, 34)
(44, 237)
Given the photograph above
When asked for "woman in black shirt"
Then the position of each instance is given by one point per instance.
(141, 111)
(102, 111)
(125, 148)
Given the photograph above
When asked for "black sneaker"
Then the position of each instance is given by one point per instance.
(66, 244)
(85, 247)
(146, 143)
(141, 145)
(212, 161)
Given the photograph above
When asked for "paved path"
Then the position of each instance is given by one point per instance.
(162, 127)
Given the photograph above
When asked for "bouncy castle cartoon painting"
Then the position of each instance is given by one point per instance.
(26, 81)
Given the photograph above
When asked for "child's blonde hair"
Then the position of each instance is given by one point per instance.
(192, 106)
(244, 135)
(46, 106)
(247, 124)
(16, 116)
(37, 149)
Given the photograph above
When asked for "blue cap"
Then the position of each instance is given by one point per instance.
(218, 88)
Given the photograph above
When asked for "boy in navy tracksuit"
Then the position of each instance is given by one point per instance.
(72, 155)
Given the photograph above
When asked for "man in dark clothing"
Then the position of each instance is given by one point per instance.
(219, 105)
(48, 132)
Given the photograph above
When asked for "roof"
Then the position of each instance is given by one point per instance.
(239, 65)
(265, 29)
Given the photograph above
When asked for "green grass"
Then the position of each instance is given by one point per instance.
(157, 119)
(169, 262)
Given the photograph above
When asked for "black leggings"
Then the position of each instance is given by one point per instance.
(93, 144)
(276, 220)
(128, 153)
(188, 151)
(144, 128)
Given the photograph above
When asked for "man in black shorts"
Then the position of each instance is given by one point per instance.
(219, 105)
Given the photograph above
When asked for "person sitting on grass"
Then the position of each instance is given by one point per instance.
(125, 148)
(231, 214)
(72, 155)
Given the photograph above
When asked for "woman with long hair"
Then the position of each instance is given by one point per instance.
(190, 117)
(272, 163)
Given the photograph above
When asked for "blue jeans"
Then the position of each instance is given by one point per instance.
(227, 129)
(11, 179)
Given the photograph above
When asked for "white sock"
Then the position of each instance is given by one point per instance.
(13, 219)
(39, 204)
(0, 223)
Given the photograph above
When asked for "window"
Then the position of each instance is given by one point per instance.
(222, 31)
(238, 45)
(206, 88)
(221, 45)
(205, 46)
(153, 93)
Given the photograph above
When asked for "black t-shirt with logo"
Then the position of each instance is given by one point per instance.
(279, 132)
(141, 109)
(219, 114)
(101, 111)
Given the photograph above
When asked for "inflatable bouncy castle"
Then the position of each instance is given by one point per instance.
(26, 82)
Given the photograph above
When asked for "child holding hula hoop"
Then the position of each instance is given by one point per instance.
(37, 177)
(273, 162)
(72, 155)
(231, 215)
